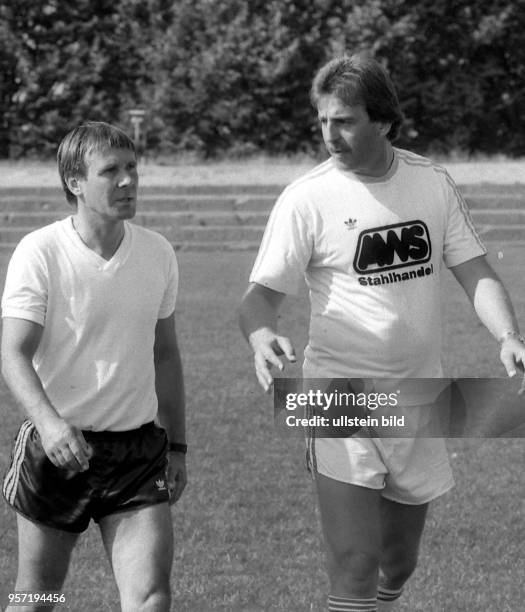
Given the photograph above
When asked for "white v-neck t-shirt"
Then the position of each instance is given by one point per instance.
(95, 357)
(371, 252)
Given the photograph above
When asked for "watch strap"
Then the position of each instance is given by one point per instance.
(177, 447)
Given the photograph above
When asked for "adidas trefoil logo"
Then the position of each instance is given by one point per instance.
(350, 224)
(161, 485)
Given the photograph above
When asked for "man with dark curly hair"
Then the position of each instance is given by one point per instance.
(369, 230)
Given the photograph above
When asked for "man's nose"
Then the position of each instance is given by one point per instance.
(332, 130)
(126, 178)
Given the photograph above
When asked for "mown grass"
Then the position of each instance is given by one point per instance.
(247, 531)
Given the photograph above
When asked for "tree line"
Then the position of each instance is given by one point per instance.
(232, 76)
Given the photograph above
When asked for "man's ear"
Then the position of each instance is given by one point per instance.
(383, 128)
(73, 185)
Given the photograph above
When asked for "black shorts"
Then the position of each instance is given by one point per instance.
(126, 471)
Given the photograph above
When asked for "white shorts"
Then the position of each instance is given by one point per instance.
(408, 470)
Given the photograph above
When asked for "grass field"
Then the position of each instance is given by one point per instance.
(247, 531)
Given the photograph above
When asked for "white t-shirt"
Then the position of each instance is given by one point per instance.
(95, 357)
(371, 252)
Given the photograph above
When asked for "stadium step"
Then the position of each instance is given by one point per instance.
(160, 202)
(156, 219)
(147, 219)
(187, 245)
(209, 218)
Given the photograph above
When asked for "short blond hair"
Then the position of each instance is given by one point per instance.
(82, 140)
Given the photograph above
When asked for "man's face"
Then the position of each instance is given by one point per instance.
(354, 141)
(109, 189)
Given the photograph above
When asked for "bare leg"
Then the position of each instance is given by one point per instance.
(402, 527)
(350, 517)
(139, 544)
(43, 560)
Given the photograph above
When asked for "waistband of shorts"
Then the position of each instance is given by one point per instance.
(118, 435)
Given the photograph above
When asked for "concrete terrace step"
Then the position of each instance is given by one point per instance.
(165, 222)
(161, 202)
(505, 215)
(233, 217)
(210, 190)
(503, 201)
(153, 219)
(187, 245)
(207, 218)
(502, 233)
(178, 190)
(228, 234)
(242, 203)
(147, 219)
(175, 234)
(488, 189)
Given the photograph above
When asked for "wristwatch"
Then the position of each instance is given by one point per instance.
(177, 447)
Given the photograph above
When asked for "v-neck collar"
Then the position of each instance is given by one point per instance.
(118, 258)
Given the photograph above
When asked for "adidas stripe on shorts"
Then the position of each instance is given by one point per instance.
(127, 471)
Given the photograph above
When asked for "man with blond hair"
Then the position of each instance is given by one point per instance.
(89, 351)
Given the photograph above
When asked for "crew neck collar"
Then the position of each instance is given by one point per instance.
(362, 178)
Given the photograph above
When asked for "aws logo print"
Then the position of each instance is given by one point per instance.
(392, 246)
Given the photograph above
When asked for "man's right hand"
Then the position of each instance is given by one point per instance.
(65, 446)
(267, 348)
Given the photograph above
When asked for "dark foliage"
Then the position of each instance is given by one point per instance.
(233, 76)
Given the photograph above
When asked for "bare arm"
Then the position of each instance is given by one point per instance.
(494, 309)
(258, 321)
(64, 444)
(169, 386)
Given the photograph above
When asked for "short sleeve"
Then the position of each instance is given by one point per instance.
(167, 305)
(462, 242)
(26, 287)
(286, 247)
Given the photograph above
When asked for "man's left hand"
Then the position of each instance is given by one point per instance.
(176, 475)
